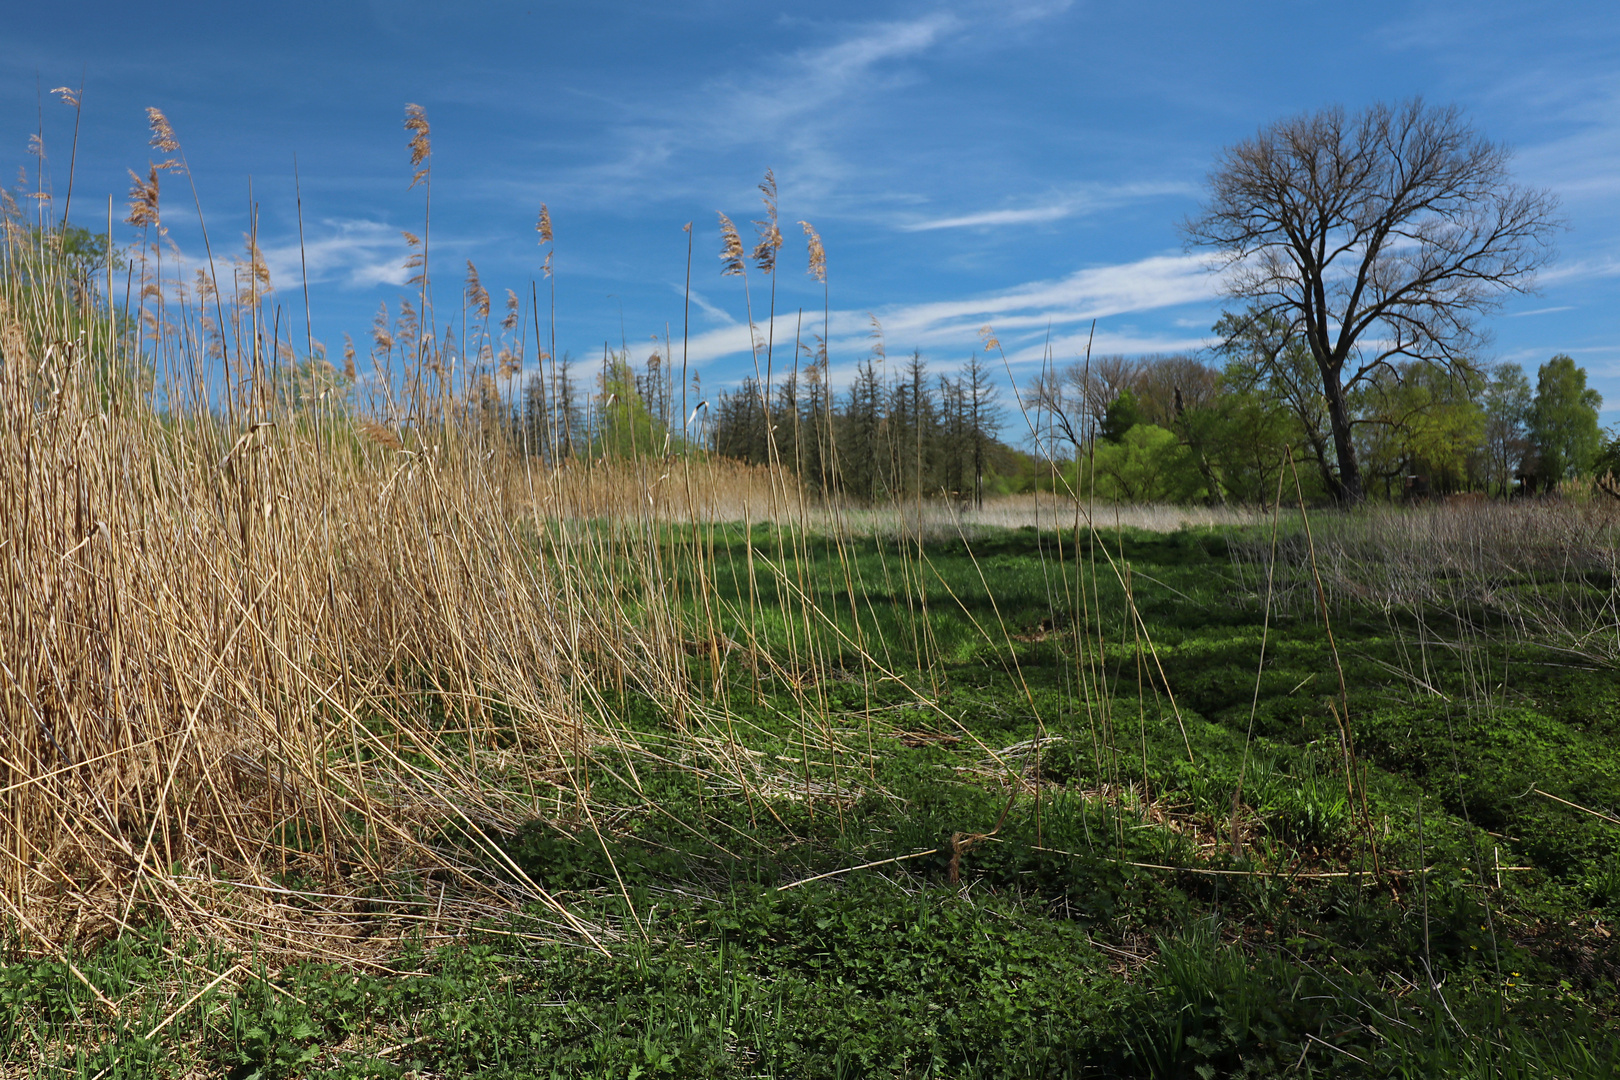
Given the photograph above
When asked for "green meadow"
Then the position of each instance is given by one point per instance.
(1025, 803)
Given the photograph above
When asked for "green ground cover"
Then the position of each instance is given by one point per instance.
(1099, 850)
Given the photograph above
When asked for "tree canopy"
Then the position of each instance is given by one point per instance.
(1375, 237)
(1564, 421)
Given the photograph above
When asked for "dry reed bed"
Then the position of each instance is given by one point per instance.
(237, 651)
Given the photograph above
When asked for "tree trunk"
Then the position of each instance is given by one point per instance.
(1348, 489)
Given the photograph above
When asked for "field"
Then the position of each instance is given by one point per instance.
(968, 800)
(360, 726)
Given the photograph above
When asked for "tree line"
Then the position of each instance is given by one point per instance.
(1225, 427)
(1224, 430)
(897, 431)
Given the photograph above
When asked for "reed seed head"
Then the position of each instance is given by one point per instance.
(69, 96)
(731, 251)
(380, 337)
(818, 254)
(257, 267)
(770, 239)
(477, 295)
(421, 144)
(163, 140)
(543, 226)
(416, 259)
(767, 189)
(143, 200)
(381, 434)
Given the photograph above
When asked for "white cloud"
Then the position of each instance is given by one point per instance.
(359, 253)
(1541, 311)
(717, 314)
(1021, 316)
(1580, 270)
(800, 110)
(1081, 202)
(1028, 216)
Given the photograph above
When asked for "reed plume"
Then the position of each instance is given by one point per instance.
(143, 200)
(380, 335)
(163, 140)
(818, 254)
(421, 145)
(770, 236)
(477, 295)
(416, 259)
(731, 249)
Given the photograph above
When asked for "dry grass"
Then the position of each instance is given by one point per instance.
(283, 646)
(252, 637)
(739, 495)
(1549, 570)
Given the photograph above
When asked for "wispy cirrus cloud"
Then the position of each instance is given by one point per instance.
(1054, 209)
(715, 314)
(1030, 215)
(1022, 316)
(795, 103)
(353, 252)
(803, 109)
(1602, 266)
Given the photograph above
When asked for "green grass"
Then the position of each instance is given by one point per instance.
(1106, 928)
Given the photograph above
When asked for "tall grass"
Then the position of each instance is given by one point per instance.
(270, 641)
(1538, 570)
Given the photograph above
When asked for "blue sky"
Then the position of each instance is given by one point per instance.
(1021, 163)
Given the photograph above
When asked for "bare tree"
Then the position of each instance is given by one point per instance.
(1374, 236)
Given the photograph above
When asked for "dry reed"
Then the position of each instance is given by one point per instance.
(292, 645)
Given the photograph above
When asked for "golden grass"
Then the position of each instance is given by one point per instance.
(292, 645)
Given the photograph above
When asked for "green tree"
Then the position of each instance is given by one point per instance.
(980, 396)
(1239, 443)
(58, 272)
(1420, 420)
(1564, 422)
(1265, 357)
(1146, 464)
(1374, 237)
(625, 428)
(1122, 414)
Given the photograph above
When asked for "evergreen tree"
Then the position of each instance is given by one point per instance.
(860, 443)
(984, 418)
